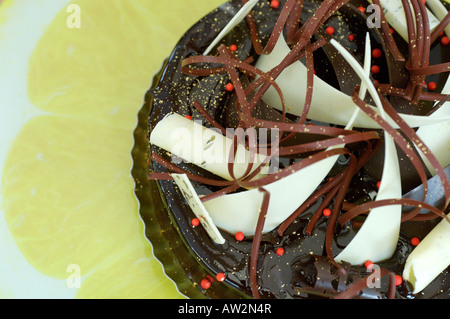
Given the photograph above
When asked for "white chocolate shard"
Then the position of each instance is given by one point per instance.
(333, 107)
(440, 12)
(377, 239)
(429, 258)
(395, 15)
(197, 207)
(239, 211)
(205, 147)
(432, 255)
(242, 13)
(437, 136)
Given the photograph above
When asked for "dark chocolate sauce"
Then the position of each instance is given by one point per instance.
(298, 273)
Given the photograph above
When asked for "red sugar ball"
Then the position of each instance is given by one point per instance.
(351, 38)
(377, 53)
(415, 241)
(229, 87)
(239, 236)
(375, 69)
(368, 264)
(362, 9)
(445, 40)
(326, 212)
(233, 48)
(398, 280)
(275, 4)
(280, 251)
(205, 283)
(432, 86)
(220, 276)
(329, 30)
(195, 222)
(188, 117)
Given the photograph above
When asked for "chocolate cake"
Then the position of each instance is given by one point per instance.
(224, 87)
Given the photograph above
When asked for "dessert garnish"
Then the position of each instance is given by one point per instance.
(296, 138)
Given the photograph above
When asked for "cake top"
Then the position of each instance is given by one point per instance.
(309, 133)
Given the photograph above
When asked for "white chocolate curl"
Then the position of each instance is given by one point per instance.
(429, 258)
(333, 107)
(207, 148)
(378, 237)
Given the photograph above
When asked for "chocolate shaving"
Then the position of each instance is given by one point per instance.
(256, 243)
(357, 287)
(440, 28)
(388, 35)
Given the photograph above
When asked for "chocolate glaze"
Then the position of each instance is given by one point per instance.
(294, 274)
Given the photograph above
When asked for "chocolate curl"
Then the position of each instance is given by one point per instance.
(237, 139)
(292, 168)
(323, 144)
(308, 203)
(440, 28)
(309, 85)
(354, 289)
(423, 22)
(331, 186)
(293, 20)
(246, 108)
(323, 13)
(419, 47)
(387, 89)
(174, 168)
(414, 53)
(224, 52)
(439, 105)
(210, 119)
(428, 70)
(406, 146)
(386, 31)
(277, 30)
(318, 213)
(230, 64)
(304, 35)
(420, 39)
(310, 46)
(426, 31)
(411, 134)
(236, 186)
(365, 209)
(332, 221)
(398, 138)
(256, 244)
(298, 128)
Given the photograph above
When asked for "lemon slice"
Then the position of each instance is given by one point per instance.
(73, 79)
